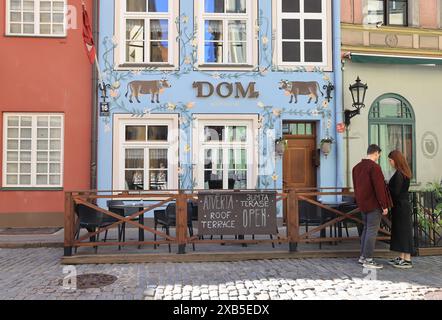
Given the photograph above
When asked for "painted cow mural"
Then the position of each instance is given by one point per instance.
(152, 87)
(295, 88)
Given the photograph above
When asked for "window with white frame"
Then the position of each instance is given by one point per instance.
(146, 156)
(303, 32)
(147, 32)
(226, 154)
(33, 150)
(226, 32)
(36, 18)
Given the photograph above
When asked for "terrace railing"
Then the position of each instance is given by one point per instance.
(292, 199)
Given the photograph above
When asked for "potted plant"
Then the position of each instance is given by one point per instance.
(326, 145)
(280, 146)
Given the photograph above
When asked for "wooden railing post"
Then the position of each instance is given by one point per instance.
(181, 222)
(293, 220)
(69, 221)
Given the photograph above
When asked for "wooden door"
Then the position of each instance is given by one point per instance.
(300, 158)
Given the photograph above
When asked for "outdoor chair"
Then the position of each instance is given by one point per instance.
(92, 220)
(167, 218)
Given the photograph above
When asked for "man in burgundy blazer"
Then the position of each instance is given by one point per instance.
(373, 200)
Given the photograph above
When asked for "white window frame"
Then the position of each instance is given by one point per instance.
(36, 22)
(120, 34)
(251, 16)
(120, 145)
(249, 121)
(327, 24)
(33, 151)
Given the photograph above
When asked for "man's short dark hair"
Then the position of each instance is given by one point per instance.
(373, 149)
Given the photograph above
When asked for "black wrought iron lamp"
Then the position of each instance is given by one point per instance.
(358, 91)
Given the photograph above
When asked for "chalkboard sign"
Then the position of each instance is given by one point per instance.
(236, 213)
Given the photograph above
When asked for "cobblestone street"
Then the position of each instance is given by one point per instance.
(37, 274)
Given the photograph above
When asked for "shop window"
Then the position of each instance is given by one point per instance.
(146, 154)
(147, 32)
(36, 18)
(33, 150)
(226, 33)
(392, 127)
(225, 154)
(303, 33)
(388, 12)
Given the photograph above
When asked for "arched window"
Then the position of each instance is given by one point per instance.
(392, 127)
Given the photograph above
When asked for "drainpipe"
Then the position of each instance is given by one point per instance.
(94, 111)
(338, 93)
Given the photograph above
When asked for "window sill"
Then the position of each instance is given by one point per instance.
(43, 36)
(31, 189)
(141, 66)
(226, 67)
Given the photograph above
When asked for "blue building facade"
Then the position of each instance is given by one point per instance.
(203, 93)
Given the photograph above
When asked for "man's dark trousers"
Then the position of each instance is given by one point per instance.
(372, 221)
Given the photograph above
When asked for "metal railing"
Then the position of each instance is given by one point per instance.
(427, 219)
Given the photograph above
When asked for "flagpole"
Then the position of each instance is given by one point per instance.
(100, 76)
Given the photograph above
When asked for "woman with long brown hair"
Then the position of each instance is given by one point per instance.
(401, 222)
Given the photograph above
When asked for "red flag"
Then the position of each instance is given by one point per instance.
(88, 37)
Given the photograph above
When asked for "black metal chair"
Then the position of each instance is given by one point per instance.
(167, 218)
(91, 220)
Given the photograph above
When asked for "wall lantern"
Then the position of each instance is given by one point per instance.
(358, 91)
(280, 146)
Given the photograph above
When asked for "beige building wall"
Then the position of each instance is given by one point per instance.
(422, 87)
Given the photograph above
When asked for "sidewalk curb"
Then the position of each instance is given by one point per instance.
(31, 245)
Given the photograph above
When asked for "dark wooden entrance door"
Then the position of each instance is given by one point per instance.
(300, 158)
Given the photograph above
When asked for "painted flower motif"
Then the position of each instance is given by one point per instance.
(136, 72)
(115, 40)
(187, 60)
(190, 105)
(114, 94)
(180, 170)
(326, 78)
(107, 127)
(171, 106)
(277, 112)
(185, 19)
(216, 75)
(261, 104)
(146, 111)
(265, 40)
(194, 42)
(314, 113)
(116, 85)
(325, 104)
(187, 148)
(275, 177)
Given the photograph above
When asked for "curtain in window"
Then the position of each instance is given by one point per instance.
(237, 41)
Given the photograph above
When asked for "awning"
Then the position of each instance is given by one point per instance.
(388, 59)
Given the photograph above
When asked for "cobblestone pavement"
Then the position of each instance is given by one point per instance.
(37, 274)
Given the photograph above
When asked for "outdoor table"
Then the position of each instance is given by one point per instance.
(323, 216)
(137, 205)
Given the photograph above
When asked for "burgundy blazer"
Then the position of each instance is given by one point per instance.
(371, 192)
